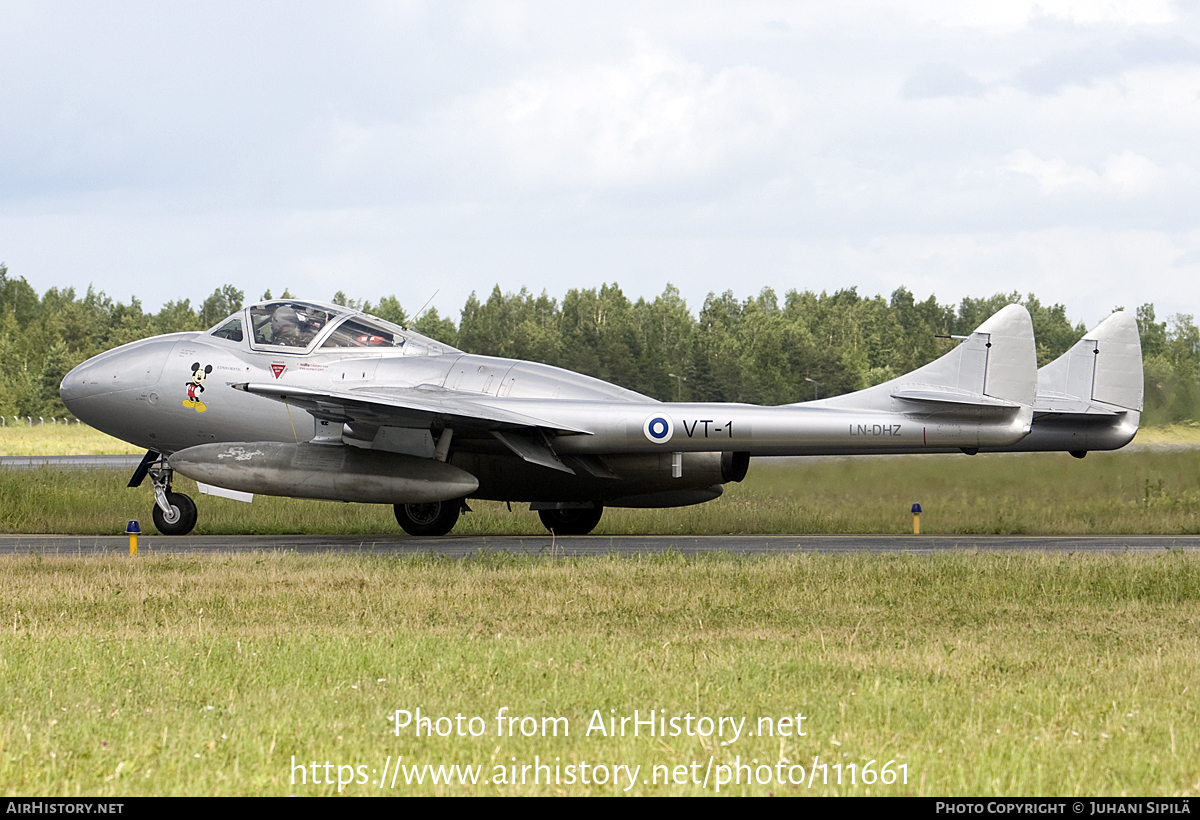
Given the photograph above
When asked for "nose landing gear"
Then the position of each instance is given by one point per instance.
(179, 515)
(174, 513)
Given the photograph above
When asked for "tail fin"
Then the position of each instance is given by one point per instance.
(1101, 374)
(1090, 398)
(994, 367)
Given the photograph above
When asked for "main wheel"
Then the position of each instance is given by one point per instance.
(433, 518)
(577, 521)
(182, 517)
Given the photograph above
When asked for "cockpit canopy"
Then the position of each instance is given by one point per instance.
(288, 324)
(293, 326)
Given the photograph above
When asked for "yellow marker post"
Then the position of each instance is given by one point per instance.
(916, 511)
(132, 531)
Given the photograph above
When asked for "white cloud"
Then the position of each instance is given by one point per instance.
(1092, 12)
(941, 80)
(1014, 14)
(653, 117)
(1127, 173)
(1132, 173)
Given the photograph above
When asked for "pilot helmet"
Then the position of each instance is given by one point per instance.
(285, 322)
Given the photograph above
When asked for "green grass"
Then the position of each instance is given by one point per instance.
(1012, 674)
(60, 440)
(1184, 433)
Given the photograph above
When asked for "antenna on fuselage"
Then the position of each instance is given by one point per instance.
(413, 320)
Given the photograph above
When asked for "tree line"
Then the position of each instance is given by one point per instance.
(760, 349)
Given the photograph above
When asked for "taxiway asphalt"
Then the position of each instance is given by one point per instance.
(460, 546)
(70, 462)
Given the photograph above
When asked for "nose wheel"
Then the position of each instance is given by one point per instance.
(173, 513)
(179, 517)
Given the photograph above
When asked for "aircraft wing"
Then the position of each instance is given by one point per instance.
(405, 407)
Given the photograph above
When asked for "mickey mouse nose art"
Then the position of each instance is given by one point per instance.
(196, 382)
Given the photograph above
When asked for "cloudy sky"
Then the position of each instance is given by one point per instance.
(164, 149)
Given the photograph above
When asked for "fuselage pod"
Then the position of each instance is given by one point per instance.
(324, 471)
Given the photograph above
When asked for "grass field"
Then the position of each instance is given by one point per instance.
(60, 440)
(972, 674)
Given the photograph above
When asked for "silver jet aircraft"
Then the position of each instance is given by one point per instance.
(313, 400)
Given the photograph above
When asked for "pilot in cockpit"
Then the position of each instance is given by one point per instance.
(285, 327)
(292, 328)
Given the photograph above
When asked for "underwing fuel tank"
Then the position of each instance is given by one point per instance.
(332, 472)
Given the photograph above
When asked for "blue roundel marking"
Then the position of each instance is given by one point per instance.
(658, 429)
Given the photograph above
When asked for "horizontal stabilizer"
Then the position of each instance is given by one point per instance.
(1052, 404)
(948, 396)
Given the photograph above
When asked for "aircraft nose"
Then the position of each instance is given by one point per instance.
(99, 382)
(98, 376)
(88, 384)
(73, 387)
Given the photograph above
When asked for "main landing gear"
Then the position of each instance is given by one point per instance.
(573, 520)
(430, 519)
(174, 513)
